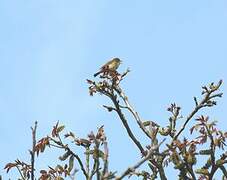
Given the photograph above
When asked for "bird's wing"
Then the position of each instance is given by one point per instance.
(106, 65)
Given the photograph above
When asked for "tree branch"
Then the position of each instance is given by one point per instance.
(23, 178)
(224, 171)
(106, 154)
(32, 152)
(131, 109)
(125, 123)
(79, 161)
(62, 146)
(203, 103)
(138, 164)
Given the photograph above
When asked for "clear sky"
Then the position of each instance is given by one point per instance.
(49, 47)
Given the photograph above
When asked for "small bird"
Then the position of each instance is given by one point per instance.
(111, 65)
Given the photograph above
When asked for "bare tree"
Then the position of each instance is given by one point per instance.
(167, 144)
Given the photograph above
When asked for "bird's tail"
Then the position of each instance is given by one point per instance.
(96, 74)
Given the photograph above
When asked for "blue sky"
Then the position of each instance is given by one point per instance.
(50, 47)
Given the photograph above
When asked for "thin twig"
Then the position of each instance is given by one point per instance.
(125, 123)
(131, 109)
(56, 146)
(32, 152)
(106, 154)
(109, 108)
(224, 170)
(200, 105)
(79, 161)
(62, 146)
(212, 146)
(97, 159)
(93, 170)
(190, 170)
(87, 160)
(23, 178)
(138, 164)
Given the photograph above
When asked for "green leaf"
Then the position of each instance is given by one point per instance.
(202, 171)
(65, 156)
(146, 123)
(205, 152)
(71, 163)
(89, 152)
(59, 178)
(101, 154)
(60, 128)
(59, 168)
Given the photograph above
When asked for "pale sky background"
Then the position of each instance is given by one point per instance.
(50, 47)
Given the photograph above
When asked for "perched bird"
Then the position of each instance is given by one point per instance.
(111, 65)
